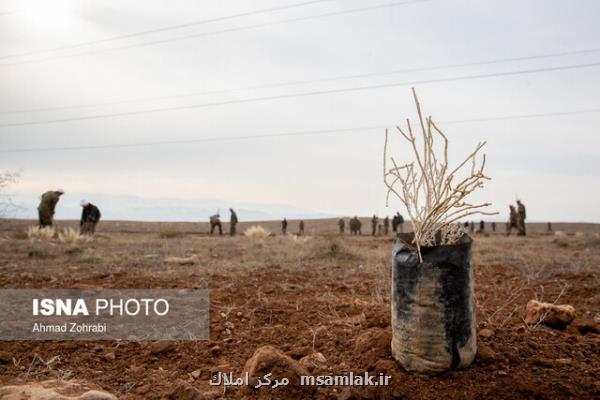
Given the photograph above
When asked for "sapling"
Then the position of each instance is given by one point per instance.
(433, 193)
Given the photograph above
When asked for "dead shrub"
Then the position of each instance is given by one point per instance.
(257, 233)
(71, 236)
(37, 233)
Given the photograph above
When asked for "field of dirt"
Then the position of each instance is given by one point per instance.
(321, 293)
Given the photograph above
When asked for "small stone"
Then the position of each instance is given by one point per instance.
(196, 374)
(554, 316)
(55, 389)
(229, 325)
(552, 363)
(502, 373)
(26, 275)
(563, 361)
(239, 314)
(161, 347)
(228, 331)
(5, 358)
(109, 356)
(486, 333)
(215, 351)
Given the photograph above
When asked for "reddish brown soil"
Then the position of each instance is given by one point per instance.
(305, 296)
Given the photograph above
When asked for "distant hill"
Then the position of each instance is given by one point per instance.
(134, 208)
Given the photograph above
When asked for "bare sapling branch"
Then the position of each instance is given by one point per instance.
(431, 192)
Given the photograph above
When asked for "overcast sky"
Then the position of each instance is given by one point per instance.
(552, 163)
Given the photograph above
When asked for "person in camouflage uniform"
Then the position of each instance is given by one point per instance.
(341, 225)
(521, 216)
(284, 225)
(374, 225)
(512, 221)
(215, 221)
(47, 206)
(358, 226)
(233, 220)
(301, 228)
(399, 223)
(90, 216)
(355, 226)
(386, 225)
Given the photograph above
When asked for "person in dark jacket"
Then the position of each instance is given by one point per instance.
(47, 206)
(341, 225)
(400, 223)
(90, 216)
(233, 220)
(284, 225)
(521, 216)
(215, 222)
(512, 220)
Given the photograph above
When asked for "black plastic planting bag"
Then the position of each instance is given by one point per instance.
(433, 315)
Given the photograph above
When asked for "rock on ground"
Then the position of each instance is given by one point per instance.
(555, 316)
(268, 359)
(54, 390)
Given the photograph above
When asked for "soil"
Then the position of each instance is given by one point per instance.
(320, 293)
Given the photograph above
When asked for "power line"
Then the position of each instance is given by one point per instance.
(164, 29)
(304, 94)
(288, 134)
(304, 82)
(217, 32)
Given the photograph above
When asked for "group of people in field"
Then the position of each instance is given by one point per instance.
(516, 221)
(377, 228)
(90, 214)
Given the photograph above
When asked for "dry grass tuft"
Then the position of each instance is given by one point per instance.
(71, 236)
(35, 232)
(433, 194)
(257, 232)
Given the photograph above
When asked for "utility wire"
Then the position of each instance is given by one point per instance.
(288, 134)
(304, 82)
(163, 29)
(304, 94)
(217, 32)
